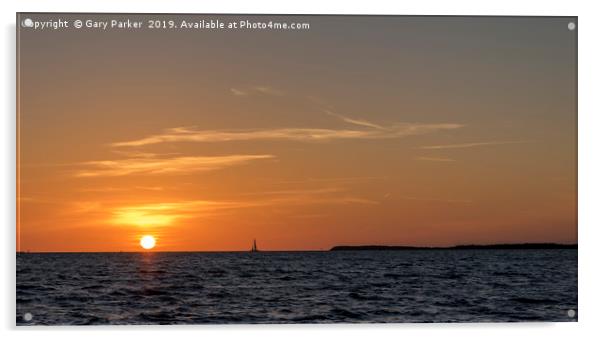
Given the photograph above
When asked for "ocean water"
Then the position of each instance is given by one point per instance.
(296, 287)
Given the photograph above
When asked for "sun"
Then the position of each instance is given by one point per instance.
(147, 242)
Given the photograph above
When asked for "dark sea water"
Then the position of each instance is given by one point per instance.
(297, 287)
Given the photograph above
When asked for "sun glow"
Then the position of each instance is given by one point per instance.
(147, 242)
(142, 218)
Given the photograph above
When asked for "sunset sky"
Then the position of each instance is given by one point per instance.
(361, 130)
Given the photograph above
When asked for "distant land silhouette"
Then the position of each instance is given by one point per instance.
(529, 246)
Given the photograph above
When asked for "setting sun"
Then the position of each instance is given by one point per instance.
(147, 242)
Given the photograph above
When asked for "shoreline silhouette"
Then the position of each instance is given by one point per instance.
(523, 246)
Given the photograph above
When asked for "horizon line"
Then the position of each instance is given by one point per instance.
(351, 247)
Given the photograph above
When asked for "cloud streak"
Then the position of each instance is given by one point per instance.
(150, 165)
(163, 214)
(166, 214)
(182, 134)
(472, 144)
(358, 122)
(265, 90)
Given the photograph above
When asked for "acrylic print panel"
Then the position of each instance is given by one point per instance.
(227, 169)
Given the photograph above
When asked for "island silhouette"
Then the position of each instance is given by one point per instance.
(524, 246)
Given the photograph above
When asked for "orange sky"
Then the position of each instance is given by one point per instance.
(361, 130)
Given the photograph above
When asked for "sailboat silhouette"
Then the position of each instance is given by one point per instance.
(254, 248)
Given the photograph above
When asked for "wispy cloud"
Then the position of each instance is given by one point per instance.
(473, 144)
(358, 122)
(265, 90)
(437, 159)
(165, 214)
(238, 92)
(182, 134)
(150, 165)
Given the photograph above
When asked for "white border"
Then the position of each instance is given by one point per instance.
(590, 164)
